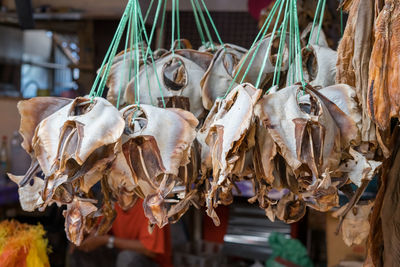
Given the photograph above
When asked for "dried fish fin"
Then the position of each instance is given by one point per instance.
(32, 112)
(75, 219)
(29, 195)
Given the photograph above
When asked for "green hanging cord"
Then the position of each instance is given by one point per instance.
(212, 23)
(153, 29)
(321, 19)
(269, 46)
(291, 48)
(341, 18)
(153, 63)
(203, 20)
(263, 31)
(198, 24)
(316, 16)
(178, 24)
(124, 59)
(282, 41)
(173, 28)
(106, 59)
(259, 44)
(300, 61)
(112, 55)
(148, 11)
(162, 20)
(144, 58)
(136, 49)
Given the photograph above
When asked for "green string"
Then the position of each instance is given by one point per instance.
(298, 44)
(153, 64)
(153, 29)
(112, 55)
(291, 48)
(124, 60)
(203, 20)
(319, 15)
(163, 20)
(269, 46)
(341, 19)
(178, 25)
(173, 29)
(282, 42)
(148, 10)
(261, 33)
(321, 19)
(108, 59)
(212, 23)
(198, 24)
(136, 62)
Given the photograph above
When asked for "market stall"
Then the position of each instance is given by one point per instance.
(184, 142)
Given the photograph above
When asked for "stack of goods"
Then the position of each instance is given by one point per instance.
(182, 127)
(23, 245)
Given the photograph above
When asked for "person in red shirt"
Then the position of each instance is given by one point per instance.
(131, 240)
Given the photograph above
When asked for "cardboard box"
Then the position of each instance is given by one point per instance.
(337, 250)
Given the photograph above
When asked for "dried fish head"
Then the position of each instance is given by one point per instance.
(219, 75)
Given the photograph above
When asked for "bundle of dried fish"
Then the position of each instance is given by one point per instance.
(230, 136)
(310, 136)
(155, 156)
(179, 74)
(219, 74)
(73, 142)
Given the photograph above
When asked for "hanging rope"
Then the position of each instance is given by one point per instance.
(282, 42)
(298, 45)
(212, 23)
(162, 20)
(198, 23)
(153, 29)
(150, 54)
(203, 20)
(98, 88)
(319, 15)
(263, 31)
(269, 47)
(128, 34)
(341, 19)
(178, 24)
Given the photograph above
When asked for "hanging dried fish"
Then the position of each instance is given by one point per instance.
(179, 74)
(228, 140)
(319, 66)
(155, 156)
(219, 74)
(383, 96)
(354, 54)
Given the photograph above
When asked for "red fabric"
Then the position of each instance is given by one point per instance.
(214, 233)
(133, 225)
(255, 7)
